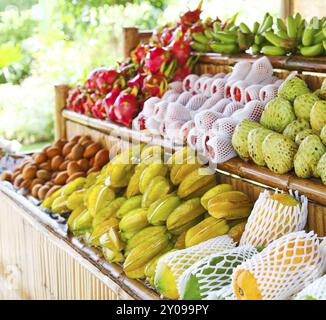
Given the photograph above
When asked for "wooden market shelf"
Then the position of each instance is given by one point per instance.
(312, 188)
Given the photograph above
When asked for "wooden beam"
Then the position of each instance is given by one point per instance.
(61, 94)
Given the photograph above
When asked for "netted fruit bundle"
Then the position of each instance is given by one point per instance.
(219, 148)
(252, 92)
(184, 97)
(170, 96)
(177, 112)
(176, 86)
(211, 102)
(160, 109)
(149, 106)
(199, 84)
(231, 108)
(185, 129)
(268, 93)
(205, 119)
(188, 83)
(218, 86)
(260, 70)
(196, 102)
(315, 291)
(252, 111)
(240, 71)
(225, 126)
(220, 106)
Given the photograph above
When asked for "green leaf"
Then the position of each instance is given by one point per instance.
(9, 54)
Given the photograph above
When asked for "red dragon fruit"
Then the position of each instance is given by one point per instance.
(98, 111)
(191, 17)
(72, 97)
(155, 85)
(156, 58)
(109, 100)
(137, 81)
(181, 50)
(138, 55)
(125, 108)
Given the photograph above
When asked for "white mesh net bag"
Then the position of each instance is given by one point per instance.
(220, 106)
(188, 83)
(220, 75)
(212, 273)
(168, 94)
(172, 131)
(281, 270)
(184, 97)
(162, 129)
(173, 97)
(270, 80)
(278, 82)
(240, 70)
(238, 91)
(160, 110)
(149, 106)
(315, 291)
(218, 86)
(196, 139)
(137, 121)
(252, 92)
(252, 111)
(176, 86)
(153, 126)
(226, 293)
(260, 71)
(211, 102)
(177, 112)
(192, 138)
(205, 119)
(270, 219)
(196, 102)
(227, 88)
(268, 93)
(179, 261)
(219, 149)
(227, 76)
(184, 130)
(225, 126)
(207, 87)
(199, 85)
(231, 108)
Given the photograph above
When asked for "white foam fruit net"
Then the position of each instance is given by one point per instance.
(199, 84)
(269, 80)
(240, 70)
(268, 93)
(231, 108)
(211, 102)
(172, 131)
(179, 261)
(252, 92)
(214, 272)
(200, 140)
(220, 75)
(152, 125)
(196, 102)
(207, 87)
(188, 83)
(219, 148)
(226, 293)
(176, 86)
(136, 122)
(192, 138)
(220, 106)
(278, 82)
(225, 126)
(149, 105)
(238, 91)
(227, 88)
(218, 86)
(184, 98)
(173, 97)
(177, 112)
(170, 94)
(184, 130)
(160, 110)
(205, 119)
(270, 220)
(315, 291)
(260, 71)
(284, 268)
(252, 111)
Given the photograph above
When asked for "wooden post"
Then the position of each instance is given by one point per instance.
(287, 8)
(130, 40)
(61, 94)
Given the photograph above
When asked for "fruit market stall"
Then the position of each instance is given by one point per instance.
(195, 170)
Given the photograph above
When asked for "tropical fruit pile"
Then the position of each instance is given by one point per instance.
(58, 164)
(291, 133)
(137, 208)
(271, 37)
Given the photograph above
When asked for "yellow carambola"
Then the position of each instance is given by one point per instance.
(129, 205)
(76, 199)
(73, 186)
(47, 203)
(102, 228)
(213, 192)
(158, 187)
(82, 223)
(99, 197)
(133, 185)
(59, 205)
(74, 215)
(133, 222)
(153, 170)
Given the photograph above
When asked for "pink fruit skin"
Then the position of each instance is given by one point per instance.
(155, 85)
(109, 100)
(155, 58)
(180, 50)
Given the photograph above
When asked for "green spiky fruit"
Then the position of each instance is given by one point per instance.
(318, 115)
(277, 115)
(310, 151)
(323, 135)
(292, 88)
(255, 144)
(295, 127)
(240, 137)
(302, 135)
(279, 152)
(303, 105)
(321, 168)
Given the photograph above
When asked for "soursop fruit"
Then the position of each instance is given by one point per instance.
(279, 152)
(302, 135)
(310, 151)
(292, 88)
(240, 137)
(277, 115)
(295, 127)
(323, 135)
(303, 105)
(321, 168)
(255, 144)
(318, 115)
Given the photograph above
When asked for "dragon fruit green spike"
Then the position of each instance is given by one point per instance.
(225, 126)
(219, 149)
(211, 102)
(160, 110)
(207, 87)
(176, 86)
(199, 84)
(192, 138)
(184, 130)
(227, 88)
(184, 97)
(168, 93)
(268, 93)
(188, 83)
(238, 91)
(173, 97)
(177, 112)
(220, 106)
(240, 70)
(252, 111)
(218, 86)
(196, 102)
(205, 119)
(153, 126)
(260, 71)
(220, 75)
(252, 92)
(149, 105)
(231, 108)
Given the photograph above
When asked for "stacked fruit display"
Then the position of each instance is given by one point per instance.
(118, 94)
(64, 161)
(289, 36)
(137, 212)
(291, 133)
